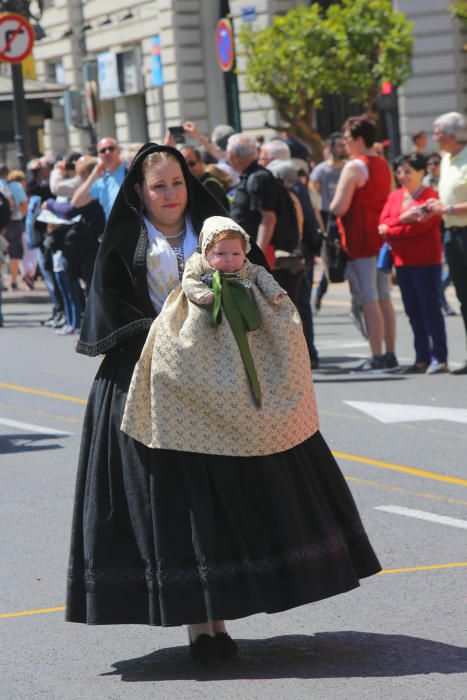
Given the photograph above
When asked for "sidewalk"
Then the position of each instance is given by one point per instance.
(38, 295)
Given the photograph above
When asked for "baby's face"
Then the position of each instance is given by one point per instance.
(226, 255)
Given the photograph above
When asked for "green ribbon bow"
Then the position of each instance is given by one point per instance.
(243, 316)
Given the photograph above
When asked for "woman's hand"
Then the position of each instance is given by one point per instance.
(191, 128)
(434, 206)
(412, 215)
(382, 229)
(169, 140)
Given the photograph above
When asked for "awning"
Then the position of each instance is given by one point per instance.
(33, 89)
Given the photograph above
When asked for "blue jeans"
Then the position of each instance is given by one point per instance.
(70, 294)
(420, 290)
(47, 275)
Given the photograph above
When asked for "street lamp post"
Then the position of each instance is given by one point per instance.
(20, 117)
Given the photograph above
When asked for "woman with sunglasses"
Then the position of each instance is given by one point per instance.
(170, 537)
(105, 180)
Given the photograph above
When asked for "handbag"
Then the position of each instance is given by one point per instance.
(384, 261)
(333, 255)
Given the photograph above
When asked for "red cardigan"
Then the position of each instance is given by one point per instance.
(413, 244)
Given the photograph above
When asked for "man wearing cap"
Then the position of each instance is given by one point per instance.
(105, 180)
(450, 132)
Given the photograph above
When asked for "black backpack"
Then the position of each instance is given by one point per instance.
(285, 236)
(5, 211)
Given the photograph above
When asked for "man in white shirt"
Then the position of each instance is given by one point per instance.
(450, 132)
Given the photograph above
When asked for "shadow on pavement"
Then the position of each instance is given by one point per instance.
(14, 444)
(343, 654)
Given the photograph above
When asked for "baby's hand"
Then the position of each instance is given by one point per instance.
(207, 298)
(278, 298)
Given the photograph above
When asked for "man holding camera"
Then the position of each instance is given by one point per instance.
(105, 180)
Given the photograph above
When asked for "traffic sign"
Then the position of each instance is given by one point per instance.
(225, 45)
(16, 38)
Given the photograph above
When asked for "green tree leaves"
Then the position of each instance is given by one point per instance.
(351, 49)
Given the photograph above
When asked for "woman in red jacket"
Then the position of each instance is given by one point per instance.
(414, 236)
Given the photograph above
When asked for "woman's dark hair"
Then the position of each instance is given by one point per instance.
(361, 126)
(414, 160)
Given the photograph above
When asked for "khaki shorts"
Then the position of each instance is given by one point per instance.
(366, 281)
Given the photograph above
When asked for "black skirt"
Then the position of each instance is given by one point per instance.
(162, 537)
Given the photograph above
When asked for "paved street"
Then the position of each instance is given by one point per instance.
(402, 635)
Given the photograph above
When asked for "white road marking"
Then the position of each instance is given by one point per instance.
(332, 345)
(424, 515)
(31, 428)
(402, 413)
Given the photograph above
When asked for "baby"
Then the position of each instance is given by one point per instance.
(235, 384)
(223, 247)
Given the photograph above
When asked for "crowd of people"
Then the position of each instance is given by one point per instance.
(54, 215)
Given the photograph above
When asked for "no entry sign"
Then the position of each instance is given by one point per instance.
(225, 45)
(16, 37)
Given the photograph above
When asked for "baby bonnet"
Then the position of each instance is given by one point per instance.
(218, 224)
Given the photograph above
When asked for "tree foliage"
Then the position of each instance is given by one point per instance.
(459, 9)
(350, 49)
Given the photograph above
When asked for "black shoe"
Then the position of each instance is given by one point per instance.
(416, 368)
(372, 364)
(204, 648)
(226, 647)
(390, 360)
(460, 370)
(314, 361)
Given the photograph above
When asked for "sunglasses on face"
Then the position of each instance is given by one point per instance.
(106, 149)
(191, 163)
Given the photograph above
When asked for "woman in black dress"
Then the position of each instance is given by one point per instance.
(165, 537)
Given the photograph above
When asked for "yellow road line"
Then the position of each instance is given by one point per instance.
(32, 612)
(430, 567)
(31, 412)
(343, 455)
(41, 392)
(423, 568)
(421, 494)
(400, 468)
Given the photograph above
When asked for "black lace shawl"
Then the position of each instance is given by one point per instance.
(118, 305)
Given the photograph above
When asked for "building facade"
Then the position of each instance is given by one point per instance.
(438, 83)
(121, 48)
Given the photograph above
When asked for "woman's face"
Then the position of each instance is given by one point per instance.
(408, 177)
(164, 195)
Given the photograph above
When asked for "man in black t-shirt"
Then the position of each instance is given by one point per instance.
(196, 165)
(255, 197)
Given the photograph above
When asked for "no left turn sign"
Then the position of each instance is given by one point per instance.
(16, 38)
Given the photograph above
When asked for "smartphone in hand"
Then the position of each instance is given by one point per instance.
(178, 132)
